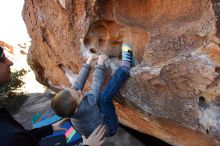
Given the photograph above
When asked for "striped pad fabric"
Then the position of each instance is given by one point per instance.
(46, 118)
(70, 134)
(49, 117)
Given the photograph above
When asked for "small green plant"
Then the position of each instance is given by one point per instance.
(11, 96)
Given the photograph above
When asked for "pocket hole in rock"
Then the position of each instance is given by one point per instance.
(207, 131)
(92, 50)
(202, 102)
(60, 66)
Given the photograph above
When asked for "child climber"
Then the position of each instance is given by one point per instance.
(88, 111)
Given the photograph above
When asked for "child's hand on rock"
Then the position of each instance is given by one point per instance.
(92, 57)
(102, 58)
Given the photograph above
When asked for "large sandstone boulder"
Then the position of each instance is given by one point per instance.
(173, 92)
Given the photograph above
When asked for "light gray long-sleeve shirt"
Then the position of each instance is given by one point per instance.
(88, 115)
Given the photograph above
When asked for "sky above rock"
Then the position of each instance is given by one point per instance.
(12, 26)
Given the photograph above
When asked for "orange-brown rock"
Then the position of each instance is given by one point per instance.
(173, 92)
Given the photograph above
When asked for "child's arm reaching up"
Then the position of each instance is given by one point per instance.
(84, 73)
(98, 76)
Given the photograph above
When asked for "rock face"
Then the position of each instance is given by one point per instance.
(173, 92)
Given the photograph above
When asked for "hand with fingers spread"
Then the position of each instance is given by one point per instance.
(96, 138)
(57, 126)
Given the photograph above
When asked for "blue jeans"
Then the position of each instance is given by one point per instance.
(105, 99)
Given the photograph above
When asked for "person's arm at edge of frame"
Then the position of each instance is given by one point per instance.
(96, 138)
(39, 133)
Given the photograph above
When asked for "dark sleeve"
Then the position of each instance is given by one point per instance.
(39, 133)
(82, 77)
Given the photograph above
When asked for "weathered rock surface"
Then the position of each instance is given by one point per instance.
(173, 92)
